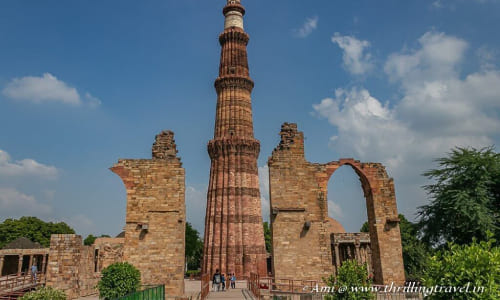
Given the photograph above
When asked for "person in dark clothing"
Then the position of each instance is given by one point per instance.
(216, 280)
(223, 282)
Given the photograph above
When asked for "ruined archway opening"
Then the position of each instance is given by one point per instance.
(346, 200)
(347, 211)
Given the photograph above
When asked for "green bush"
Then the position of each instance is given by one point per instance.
(45, 293)
(476, 265)
(352, 277)
(192, 272)
(118, 280)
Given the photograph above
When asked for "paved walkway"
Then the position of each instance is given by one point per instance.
(193, 287)
(231, 294)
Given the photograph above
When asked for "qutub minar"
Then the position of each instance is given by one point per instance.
(234, 236)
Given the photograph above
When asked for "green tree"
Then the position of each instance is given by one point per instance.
(45, 293)
(465, 198)
(352, 276)
(194, 248)
(32, 228)
(267, 237)
(415, 252)
(118, 280)
(475, 265)
(364, 228)
(90, 239)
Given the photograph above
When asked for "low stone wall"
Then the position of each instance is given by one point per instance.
(71, 266)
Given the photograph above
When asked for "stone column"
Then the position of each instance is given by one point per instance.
(44, 261)
(31, 262)
(356, 252)
(20, 264)
(337, 256)
(1, 264)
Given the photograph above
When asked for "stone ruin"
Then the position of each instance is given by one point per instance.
(75, 268)
(154, 231)
(156, 215)
(307, 244)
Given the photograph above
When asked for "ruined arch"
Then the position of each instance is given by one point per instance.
(302, 244)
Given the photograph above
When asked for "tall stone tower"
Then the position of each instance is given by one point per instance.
(234, 236)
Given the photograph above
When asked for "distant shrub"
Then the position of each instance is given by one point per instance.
(45, 293)
(118, 280)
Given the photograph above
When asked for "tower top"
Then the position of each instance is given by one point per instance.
(234, 12)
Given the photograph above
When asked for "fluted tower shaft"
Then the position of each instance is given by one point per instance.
(234, 237)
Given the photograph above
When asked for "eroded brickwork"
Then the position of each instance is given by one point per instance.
(70, 266)
(156, 215)
(109, 251)
(298, 196)
(234, 236)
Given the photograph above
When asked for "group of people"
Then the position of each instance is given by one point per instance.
(219, 281)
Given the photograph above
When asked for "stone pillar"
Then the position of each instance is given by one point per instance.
(31, 262)
(369, 259)
(1, 264)
(20, 264)
(44, 262)
(337, 256)
(356, 252)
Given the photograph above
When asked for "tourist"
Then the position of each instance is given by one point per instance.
(223, 282)
(34, 270)
(216, 280)
(233, 281)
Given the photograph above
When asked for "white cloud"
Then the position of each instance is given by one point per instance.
(438, 110)
(307, 28)
(487, 57)
(14, 204)
(334, 210)
(438, 57)
(196, 203)
(92, 101)
(46, 88)
(437, 4)
(451, 4)
(25, 167)
(264, 192)
(355, 58)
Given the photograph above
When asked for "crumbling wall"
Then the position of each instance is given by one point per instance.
(109, 251)
(70, 266)
(298, 215)
(155, 218)
(298, 197)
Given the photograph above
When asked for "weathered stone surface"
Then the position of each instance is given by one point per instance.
(234, 236)
(298, 191)
(71, 266)
(156, 215)
(109, 251)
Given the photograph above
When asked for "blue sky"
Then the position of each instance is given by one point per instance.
(83, 83)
